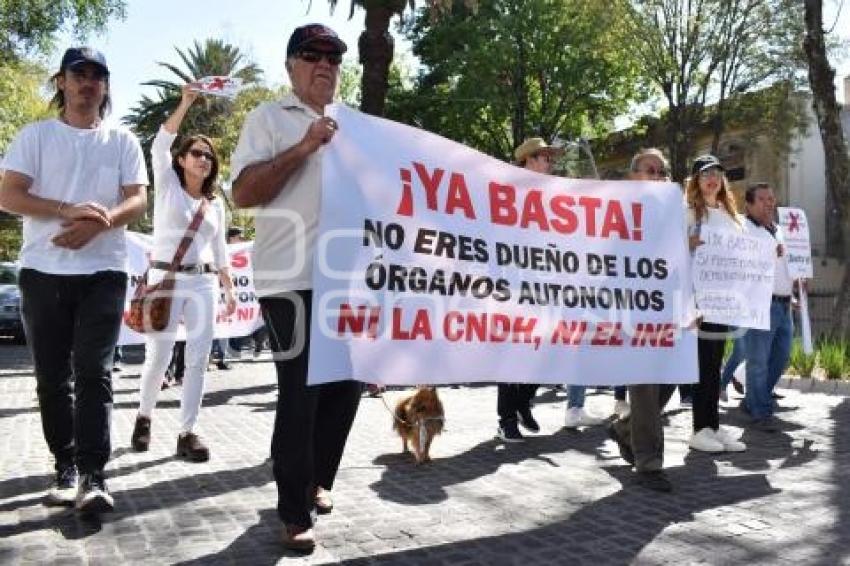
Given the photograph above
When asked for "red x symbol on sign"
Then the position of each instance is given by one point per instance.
(794, 222)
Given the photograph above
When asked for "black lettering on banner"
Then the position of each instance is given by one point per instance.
(376, 234)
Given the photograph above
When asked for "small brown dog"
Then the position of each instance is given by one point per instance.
(418, 419)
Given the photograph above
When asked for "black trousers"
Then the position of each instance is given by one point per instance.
(706, 392)
(512, 398)
(72, 324)
(312, 422)
(642, 429)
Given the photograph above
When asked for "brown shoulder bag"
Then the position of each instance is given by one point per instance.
(150, 307)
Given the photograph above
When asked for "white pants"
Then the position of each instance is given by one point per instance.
(195, 298)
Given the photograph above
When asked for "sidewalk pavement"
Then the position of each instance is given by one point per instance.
(562, 497)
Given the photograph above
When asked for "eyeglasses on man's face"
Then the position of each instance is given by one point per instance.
(653, 171)
(315, 55)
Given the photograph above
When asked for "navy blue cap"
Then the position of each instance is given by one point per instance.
(311, 33)
(78, 55)
(704, 162)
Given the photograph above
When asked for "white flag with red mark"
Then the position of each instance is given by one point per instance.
(217, 85)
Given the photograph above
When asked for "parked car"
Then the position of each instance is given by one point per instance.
(10, 302)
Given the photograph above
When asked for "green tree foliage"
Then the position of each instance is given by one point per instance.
(376, 47)
(20, 98)
(20, 103)
(28, 27)
(517, 68)
(700, 55)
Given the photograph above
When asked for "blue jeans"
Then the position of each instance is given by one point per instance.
(735, 359)
(767, 354)
(575, 396)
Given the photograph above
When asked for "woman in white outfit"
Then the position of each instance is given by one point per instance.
(182, 182)
(710, 205)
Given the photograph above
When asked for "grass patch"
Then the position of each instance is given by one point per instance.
(801, 363)
(832, 356)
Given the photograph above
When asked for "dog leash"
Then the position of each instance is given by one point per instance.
(423, 432)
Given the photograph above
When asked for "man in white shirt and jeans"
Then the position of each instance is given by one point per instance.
(77, 182)
(768, 351)
(277, 169)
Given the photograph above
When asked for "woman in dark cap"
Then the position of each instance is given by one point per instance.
(710, 205)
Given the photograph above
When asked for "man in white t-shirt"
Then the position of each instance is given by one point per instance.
(77, 182)
(277, 169)
(768, 351)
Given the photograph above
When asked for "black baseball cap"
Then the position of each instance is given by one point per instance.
(311, 33)
(78, 55)
(704, 162)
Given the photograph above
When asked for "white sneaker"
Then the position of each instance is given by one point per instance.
(729, 441)
(622, 409)
(706, 441)
(577, 416)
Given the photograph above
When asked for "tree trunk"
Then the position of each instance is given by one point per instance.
(821, 80)
(375, 47)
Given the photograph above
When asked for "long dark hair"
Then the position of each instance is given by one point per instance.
(58, 100)
(208, 186)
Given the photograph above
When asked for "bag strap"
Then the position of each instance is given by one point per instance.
(189, 235)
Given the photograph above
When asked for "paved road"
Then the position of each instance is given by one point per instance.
(561, 498)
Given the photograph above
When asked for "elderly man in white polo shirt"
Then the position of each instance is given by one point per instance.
(277, 169)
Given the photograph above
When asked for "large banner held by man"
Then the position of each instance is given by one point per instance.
(438, 264)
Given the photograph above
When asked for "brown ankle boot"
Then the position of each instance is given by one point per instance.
(190, 447)
(141, 438)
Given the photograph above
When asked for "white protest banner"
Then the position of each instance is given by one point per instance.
(243, 322)
(438, 264)
(798, 246)
(226, 87)
(733, 277)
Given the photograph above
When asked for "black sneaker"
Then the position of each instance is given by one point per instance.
(655, 480)
(526, 419)
(92, 496)
(626, 452)
(510, 433)
(63, 490)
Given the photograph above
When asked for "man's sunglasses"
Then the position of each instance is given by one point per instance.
(653, 172)
(314, 56)
(199, 153)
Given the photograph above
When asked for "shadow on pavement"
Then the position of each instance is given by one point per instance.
(405, 482)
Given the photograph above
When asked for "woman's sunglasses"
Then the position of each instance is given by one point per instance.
(199, 153)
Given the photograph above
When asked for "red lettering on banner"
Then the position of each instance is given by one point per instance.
(558, 213)
(421, 327)
(615, 221)
(488, 327)
(660, 335)
(532, 211)
(459, 197)
(358, 322)
(245, 313)
(570, 333)
(239, 260)
(608, 334)
(431, 184)
(566, 221)
(502, 209)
